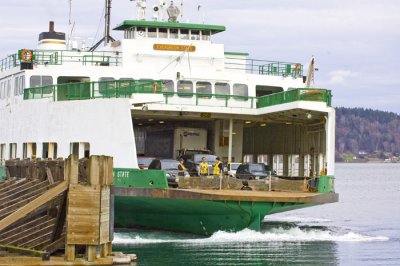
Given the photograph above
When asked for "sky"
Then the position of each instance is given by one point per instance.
(356, 43)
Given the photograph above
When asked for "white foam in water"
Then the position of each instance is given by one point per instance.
(247, 235)
(295, 219)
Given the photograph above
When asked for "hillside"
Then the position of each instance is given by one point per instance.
(365, 135)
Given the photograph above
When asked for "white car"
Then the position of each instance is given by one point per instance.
(231, 169)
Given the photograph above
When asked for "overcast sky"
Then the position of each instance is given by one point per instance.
(356, 42)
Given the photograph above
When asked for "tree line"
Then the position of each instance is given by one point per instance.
(366, 133)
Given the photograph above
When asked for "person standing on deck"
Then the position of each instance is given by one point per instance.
(217, 167)
(181, 168)
(204, 167)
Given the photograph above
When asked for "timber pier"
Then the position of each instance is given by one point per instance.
(58, 212)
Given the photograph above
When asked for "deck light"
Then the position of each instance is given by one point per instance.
(248, 122)
(161, 122)
(263, 124)
(309, 116)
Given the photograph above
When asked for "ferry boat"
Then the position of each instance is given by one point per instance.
(166, 86)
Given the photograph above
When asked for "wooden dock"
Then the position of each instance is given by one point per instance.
(57, 213)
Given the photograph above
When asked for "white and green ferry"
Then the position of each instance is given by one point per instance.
(59, 99)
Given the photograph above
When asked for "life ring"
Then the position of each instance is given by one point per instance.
(26, 55)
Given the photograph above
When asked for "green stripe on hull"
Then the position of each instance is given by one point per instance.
(194, 216)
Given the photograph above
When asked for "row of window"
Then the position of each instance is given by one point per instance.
(183, 34)
(49, 150)
(17, 85)
(188, 87)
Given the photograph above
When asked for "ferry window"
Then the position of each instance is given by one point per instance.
(16, 86)
(2, 153)
(13, 151)
(184, 34)
(35, 81)
(8, 88)
(195, 35)
(206, 35)
(152, 32)
(167, 86)
(21, 84)
(147, 86)
(42, 81)
(185, 88)
(162, 33)
(80, 149)
(140, 32)
(203, 87)
(173, 33)
(49, 150)
(222, 88)
(47, 80)
(240, 90)
(106, 86)
(29, 150)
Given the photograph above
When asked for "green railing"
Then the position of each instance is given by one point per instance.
(92, 90)
(265, 67)
(315, 95)
(126, 88)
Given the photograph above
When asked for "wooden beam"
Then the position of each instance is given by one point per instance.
(26, 251)
(49, 176)
(33, 205)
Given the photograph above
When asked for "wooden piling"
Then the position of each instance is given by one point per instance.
(75, 198)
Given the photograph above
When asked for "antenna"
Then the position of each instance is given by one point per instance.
(69, 22)
(182, 10)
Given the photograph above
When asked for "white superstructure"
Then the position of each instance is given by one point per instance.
(161, 76)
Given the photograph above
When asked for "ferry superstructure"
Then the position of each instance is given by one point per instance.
(58, 100)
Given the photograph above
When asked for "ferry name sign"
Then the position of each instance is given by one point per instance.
(174, 47)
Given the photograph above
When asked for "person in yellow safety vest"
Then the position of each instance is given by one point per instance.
(181, 168)
(217, 167)
(203, 167)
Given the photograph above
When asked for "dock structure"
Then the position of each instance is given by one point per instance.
(57, 212)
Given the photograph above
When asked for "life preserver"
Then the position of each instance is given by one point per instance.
(26, 55)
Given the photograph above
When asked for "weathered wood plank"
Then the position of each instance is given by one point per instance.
(31, 206)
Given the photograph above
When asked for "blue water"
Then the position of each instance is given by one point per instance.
(363, 228)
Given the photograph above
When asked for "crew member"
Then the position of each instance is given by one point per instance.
(217, 167)
(181, 168)
(203, 167)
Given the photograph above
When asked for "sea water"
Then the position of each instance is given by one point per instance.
(363, 228)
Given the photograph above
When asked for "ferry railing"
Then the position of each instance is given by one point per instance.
(127, 88)
(301, 94)
(8, 62)
(265, 67)
(59, 57)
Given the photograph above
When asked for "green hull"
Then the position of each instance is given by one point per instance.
(143, 199)
(194, 216)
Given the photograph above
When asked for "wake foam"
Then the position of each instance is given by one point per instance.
(273, 235)
(295, 219)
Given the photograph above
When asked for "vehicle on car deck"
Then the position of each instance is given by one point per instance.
(254, 171)
(171, 167)
(144, 161)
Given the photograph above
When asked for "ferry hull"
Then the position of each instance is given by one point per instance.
(179, 213)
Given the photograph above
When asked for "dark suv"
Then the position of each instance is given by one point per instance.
(252, 171)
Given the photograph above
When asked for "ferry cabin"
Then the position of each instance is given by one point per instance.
(60, 99)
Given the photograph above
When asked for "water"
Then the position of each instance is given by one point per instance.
(363, 228)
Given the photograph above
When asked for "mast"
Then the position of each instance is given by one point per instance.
(107, 38)
(107, 22)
